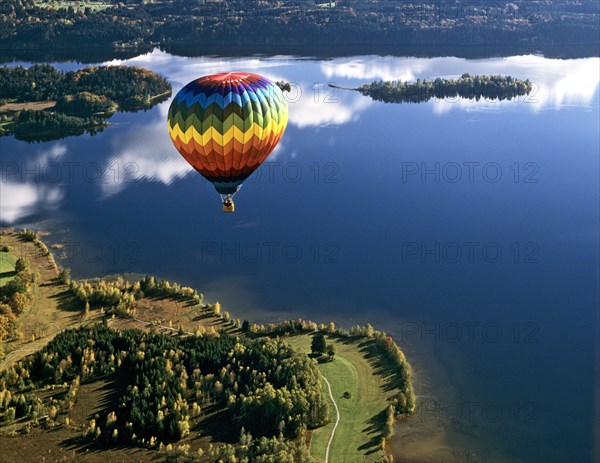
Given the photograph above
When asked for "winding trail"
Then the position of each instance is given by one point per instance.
(337, 421)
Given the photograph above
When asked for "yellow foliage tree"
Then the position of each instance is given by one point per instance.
(18, 303)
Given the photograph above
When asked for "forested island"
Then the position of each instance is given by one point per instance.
(181, 26)
(147, 365)
(467, 86)
(42, 103)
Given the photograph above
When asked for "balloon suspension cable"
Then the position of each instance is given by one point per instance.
(231, 195)
(225, 197)
(227, 200)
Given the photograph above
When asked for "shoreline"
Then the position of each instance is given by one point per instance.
(414, 440)
(426, 50)
(22, 347)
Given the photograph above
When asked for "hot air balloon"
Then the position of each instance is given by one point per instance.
(225, 126)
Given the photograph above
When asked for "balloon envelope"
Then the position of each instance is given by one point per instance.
(225, 125)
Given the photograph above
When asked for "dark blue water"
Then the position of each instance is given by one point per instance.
(468, 230)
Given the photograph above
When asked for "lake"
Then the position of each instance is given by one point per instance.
(467, 230)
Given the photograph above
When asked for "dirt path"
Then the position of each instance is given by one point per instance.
(337, 421)
(168, 328)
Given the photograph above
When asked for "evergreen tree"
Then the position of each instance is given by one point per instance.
(318, 344)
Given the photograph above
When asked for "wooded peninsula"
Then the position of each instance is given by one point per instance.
(111, 365)
(42, 103)
(467, 86)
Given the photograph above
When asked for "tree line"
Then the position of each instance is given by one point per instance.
(29, 24)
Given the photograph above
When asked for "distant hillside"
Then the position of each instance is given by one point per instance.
(45, 24)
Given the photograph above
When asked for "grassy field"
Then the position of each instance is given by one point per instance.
(30, 105)
(7, 267)
(357, 438)
(49, 312)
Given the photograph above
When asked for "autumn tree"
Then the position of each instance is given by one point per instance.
(18, 303)
(65, 276)
(21, 265)
(4, 328)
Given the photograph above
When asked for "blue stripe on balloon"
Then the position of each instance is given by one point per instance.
(204, 100)
(239, 95)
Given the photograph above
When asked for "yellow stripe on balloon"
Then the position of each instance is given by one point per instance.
(222, 139)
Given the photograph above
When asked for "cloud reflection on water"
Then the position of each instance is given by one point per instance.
(560, 83)
(23, 199)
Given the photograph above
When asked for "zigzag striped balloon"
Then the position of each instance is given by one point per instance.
(225, 125)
